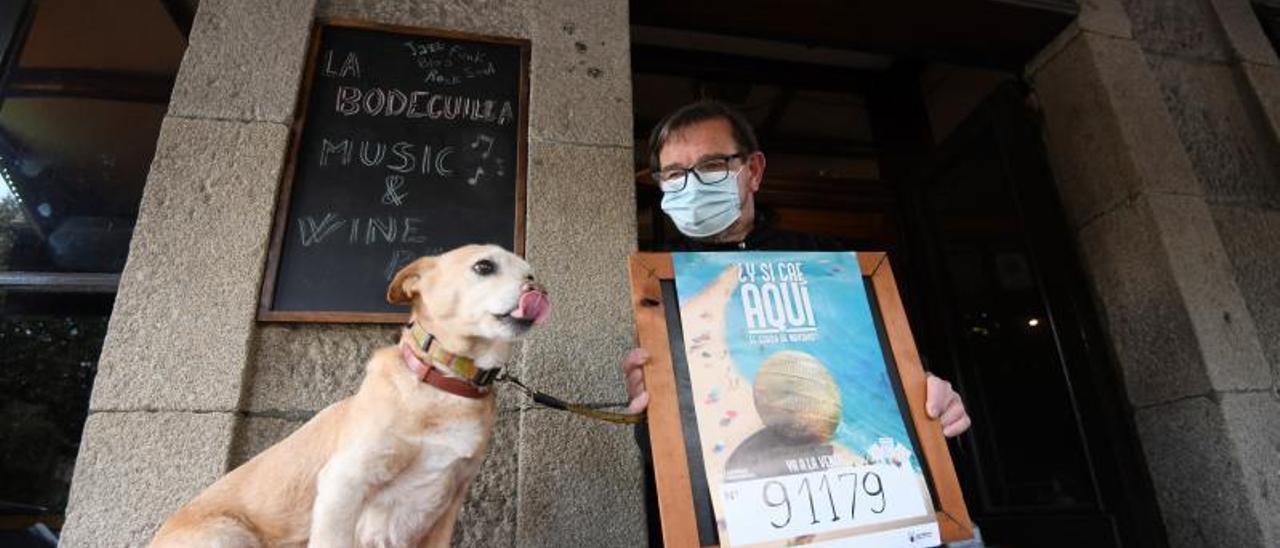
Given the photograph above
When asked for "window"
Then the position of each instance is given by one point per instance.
(84, 85)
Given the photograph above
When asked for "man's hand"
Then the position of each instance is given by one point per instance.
(941, 402)
(633, 375)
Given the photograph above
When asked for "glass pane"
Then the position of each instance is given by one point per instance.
(73, 174)
(78, 124)
(1030, 453)
(108, 35)
(79, 118)
(51, 344)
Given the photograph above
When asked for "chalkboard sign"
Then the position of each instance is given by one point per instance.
(409, 142)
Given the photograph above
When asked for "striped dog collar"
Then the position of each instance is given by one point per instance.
(461, 366)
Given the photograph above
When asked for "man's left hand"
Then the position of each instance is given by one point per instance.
(942, 402)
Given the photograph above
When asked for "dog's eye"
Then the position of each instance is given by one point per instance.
(484, 267)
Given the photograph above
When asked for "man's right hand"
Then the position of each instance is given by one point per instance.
(633, 375)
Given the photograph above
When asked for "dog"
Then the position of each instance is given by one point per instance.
(390, 465)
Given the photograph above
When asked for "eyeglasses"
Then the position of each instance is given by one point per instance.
(708, 172)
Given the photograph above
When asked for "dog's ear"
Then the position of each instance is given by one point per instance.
(402, 290)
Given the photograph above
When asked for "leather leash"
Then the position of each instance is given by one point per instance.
(584, 410)
(477, 381)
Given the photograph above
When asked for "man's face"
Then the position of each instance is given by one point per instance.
(712, 138)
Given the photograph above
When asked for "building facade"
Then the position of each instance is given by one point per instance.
(1159, 121)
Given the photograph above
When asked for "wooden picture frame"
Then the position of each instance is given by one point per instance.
(266, 312)
(674, 475)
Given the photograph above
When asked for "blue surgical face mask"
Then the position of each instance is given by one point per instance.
(701, 210)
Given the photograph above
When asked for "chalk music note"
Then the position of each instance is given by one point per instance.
(488, 144)
(474, 178)
(393, 195)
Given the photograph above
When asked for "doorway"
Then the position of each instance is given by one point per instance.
(1002, 309)
(940, 165)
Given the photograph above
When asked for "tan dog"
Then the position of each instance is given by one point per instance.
(390, 465)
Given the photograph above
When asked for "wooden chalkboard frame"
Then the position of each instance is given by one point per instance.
(267, 295)
(672, 474)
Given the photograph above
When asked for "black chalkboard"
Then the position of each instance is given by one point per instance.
(409, 142)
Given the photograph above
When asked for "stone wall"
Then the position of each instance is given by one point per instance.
(1160, 122)
(190, 385)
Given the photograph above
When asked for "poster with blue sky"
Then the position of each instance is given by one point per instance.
(803, 439)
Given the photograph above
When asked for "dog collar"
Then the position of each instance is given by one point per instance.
(434, 377)
(460, 366)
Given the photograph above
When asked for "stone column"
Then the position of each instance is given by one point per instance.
(579, 480)
(190, 385)
(1143, 204)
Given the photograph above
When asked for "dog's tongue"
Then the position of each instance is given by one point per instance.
(534, 305)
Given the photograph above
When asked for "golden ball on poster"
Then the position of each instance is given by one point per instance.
(796, 396)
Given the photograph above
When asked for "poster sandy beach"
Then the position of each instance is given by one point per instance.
(803, 440)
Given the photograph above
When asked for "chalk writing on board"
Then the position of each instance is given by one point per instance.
(420, 104)
(444, 153)
(449, 64)
(312, 231)
(363, 230)
(399, 159)
(379, 153)
(409, 145)
(487, 140)
(394, 195)
(399, 258)
(349, 68)
(406, 157)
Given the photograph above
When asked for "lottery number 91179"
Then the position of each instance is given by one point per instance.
(869, 488)
(827, 500)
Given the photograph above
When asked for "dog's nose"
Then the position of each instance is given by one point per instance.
(532, 286)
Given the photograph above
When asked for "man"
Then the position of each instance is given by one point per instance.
(709, 165)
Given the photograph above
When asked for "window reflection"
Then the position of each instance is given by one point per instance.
(74, 171)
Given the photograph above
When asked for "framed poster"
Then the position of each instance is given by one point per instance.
(787, 403)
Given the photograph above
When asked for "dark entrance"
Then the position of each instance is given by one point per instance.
(875, 150)
(1003, 311)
